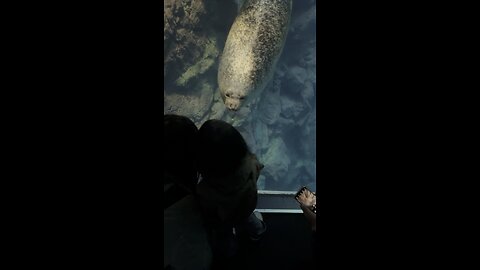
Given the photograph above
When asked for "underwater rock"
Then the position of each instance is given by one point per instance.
(291, 108)
(283, 123)
(261, 182)
(293, 175)
(192, 106)
(187, 51)
(308, 135)
(217, 111)
(247, 134)
(309, 128)
(308, 94)
(295, 78)
(311, 168)
(301, 22)
(280, 71)
(269, 107)
(303, 173)
(300, 83)
(311, 58)
(261, 134)
(183, 13)
(276, 160)
(239, 4)
(312, 76)
(308, 59)
(238, 118)
(298, 74)
(209, 57)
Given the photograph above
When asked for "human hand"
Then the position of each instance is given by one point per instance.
(308, 201)
(307, 198)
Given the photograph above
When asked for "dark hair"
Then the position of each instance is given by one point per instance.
(179, 144)
(220, 148)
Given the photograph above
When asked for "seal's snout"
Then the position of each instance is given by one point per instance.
(232, 104)
(232, 107)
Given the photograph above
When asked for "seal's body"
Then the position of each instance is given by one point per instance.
(252, 49)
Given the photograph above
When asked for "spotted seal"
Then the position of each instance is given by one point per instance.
(253, 46)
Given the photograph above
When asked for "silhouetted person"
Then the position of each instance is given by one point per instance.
(228, 188)
(185, 239)
(180, 169)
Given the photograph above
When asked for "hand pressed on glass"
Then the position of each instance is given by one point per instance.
(307, 199)
(308, 203)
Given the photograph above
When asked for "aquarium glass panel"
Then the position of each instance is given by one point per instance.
(278, 116)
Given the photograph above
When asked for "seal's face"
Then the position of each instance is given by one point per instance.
(233, 101)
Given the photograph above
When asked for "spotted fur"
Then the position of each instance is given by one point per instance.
(253, 46)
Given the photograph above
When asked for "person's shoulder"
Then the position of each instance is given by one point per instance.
(202, 187)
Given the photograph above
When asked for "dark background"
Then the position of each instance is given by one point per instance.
(83, 135)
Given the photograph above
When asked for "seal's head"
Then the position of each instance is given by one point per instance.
(232, 100)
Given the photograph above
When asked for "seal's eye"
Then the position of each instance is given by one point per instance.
(228, 94)
(242, 97)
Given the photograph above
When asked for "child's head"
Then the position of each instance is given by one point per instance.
(221, 148)
(179, 144)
